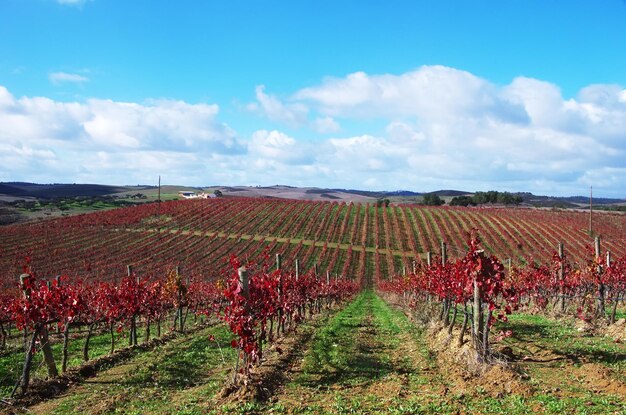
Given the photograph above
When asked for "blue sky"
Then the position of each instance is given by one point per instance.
(421, 95)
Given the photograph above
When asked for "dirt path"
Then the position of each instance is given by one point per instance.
(365, 360)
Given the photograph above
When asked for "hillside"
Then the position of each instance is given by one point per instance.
(358, 240)
(13, 190)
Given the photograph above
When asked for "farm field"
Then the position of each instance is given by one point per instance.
(360, 241)
(333, 308)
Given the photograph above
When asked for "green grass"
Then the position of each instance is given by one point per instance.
(100, 345)
(367, 358)
(178, 377)
(11, 364)
(564, 340)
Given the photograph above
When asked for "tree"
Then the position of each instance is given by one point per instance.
(462, 201)
(218, 193)
(432, 199)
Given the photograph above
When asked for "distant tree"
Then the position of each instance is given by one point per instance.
(218, 193)
(432, 199)
(462, 201)
(493, 196)
(386, 202)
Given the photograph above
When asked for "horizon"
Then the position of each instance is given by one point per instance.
(318, 187)
(519, 97)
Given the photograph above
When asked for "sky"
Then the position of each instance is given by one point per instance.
(510, 95)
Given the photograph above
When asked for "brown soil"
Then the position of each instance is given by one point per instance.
(599, 378)
(278, 361)
(459, 363)
(616, 331)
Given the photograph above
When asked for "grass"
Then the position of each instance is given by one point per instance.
(100, 345)
(563, 340)
(178, 377)
(367, 358)
(11, 364)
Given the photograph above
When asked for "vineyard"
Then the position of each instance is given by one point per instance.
(361, 241)
(270, 278)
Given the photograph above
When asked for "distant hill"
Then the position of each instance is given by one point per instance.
(451, 193)
(59, 190)
(51, 191)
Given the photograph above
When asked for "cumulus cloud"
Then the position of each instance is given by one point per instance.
(275, 146)
(58, 78)
(110, 140)
(269, 105)
(434, 92)
(431, 128)
(448, 126)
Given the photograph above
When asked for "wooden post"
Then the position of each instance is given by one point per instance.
(615, 295)
(428, 258)
(444, 253)
(327, 277)
(129, 270)
(317, 271)
(244, 281)
(180, 315)
(278, 262)
(414, 266)
(478, 328)
(297, 269)
(600, 310)
(561, 278)
(25, 291)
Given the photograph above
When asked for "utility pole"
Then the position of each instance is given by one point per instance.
(159, 198)
(590, 210)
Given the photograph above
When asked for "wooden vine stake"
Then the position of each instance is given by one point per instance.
(297, 269)
(562, 280)
(600, 308)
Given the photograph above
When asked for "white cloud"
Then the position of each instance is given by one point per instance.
(291, 114)
(433, 92)
(58, 78)
(435, 127)
(326, 125)
(276, 146)
(110, 141)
